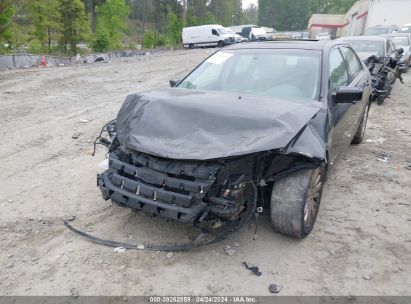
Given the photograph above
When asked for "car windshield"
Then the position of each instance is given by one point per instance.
(223, 31)
(406, 29)
(368, 47)
(283, 73)
(401, 41)
(377, 31)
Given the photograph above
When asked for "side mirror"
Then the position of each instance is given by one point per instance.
(400, 51)
(174, 82)
(348, 95)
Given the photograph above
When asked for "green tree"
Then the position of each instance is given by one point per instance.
(9, 11)
(45, 18)
(251, 14)
(91, 8)
(174, 29)
(74, 24)
(284, 14)
(111, 20)
(226, 12)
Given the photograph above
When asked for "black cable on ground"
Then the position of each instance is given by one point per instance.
(202, 239)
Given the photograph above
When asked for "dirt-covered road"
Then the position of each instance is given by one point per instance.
(361, 244)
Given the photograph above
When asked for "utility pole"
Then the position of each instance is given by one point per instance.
(184, 13)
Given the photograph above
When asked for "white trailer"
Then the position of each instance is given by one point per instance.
(389, 12)
(362, 15)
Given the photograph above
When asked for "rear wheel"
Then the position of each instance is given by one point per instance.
(191, 46)
(295, 201)
(360, 134)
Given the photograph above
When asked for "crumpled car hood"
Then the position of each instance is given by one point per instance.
(197, 125)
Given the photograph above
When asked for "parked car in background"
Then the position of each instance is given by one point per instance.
(381, 57)
(254, 33)
(323, 36)
(402, 41)
(381, 30)
(256, 125)
(366, 46)
(405, 29)
(206, 35)
(237, 37)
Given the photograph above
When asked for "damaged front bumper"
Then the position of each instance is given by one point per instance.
(208, 194)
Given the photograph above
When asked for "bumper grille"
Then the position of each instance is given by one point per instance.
(173, 189)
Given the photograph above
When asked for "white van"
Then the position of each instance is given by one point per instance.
(206, 35)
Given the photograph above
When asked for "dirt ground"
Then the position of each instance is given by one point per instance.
(361, 244)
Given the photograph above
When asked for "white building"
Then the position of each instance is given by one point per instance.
(361, 16)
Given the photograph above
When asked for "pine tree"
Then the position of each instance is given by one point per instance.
(45, 17)
(111, 20)
(74, 24)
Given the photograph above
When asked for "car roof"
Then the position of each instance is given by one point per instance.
(285, 44)
(397, 35)
(383, 27)
(363, 38)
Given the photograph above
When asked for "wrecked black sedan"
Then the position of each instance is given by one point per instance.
(253, 126)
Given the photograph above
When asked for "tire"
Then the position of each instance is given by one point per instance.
(360, 134)
(295, 201)
(191, 46)
(220, 44)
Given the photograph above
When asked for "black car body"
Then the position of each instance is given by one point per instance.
(209, 157)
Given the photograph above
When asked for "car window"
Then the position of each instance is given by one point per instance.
(377, 31)
(338, 71)
(354, 65)
(215, 33)
(405, 29)
(366, 48)
(400, 41)
(280, 73)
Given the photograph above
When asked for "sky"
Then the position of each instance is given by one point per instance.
(246, 3)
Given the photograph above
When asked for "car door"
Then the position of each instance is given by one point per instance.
(338, 112)
(358, 77)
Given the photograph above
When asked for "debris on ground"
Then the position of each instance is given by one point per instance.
(367, 277)
(378, 140)
(169, 255)
(84, 120)
(274, 288)
(230, 251)
(383, 158)
(119, 249)
(76, 135)
(253, 269)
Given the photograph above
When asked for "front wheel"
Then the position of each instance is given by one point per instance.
(220, 44)
(295, 201)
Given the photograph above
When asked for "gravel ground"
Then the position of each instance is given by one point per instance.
(361, 244)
